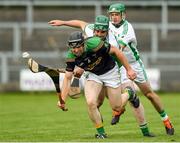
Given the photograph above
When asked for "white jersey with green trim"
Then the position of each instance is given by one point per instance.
(125, 36)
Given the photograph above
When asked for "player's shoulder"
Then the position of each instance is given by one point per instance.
(70, 55)
(89, 26)
(128, 24)
(88, 30)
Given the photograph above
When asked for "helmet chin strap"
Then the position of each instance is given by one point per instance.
(118, 24)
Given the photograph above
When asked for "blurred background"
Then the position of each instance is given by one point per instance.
(24, 27)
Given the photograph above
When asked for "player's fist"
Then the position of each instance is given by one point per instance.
(78, 72)
(56, 22)
(62, 106)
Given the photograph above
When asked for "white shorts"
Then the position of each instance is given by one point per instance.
(112, 78)
(138, 67)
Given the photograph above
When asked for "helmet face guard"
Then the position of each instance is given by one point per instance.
(101, 27)
(75, 44)
(76, 39)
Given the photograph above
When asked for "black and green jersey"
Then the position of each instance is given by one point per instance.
(96, 57)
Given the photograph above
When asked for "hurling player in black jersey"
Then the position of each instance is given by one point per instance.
(94, 56)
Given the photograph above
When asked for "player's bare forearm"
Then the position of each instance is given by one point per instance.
(65, 90)
(130, 72)
(66, 85)
(76, 23)
(123, 60)
(71, 23)
(120, 56)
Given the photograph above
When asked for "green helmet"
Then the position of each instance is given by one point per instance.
(118, 7)
(101, 23)
(93, 43)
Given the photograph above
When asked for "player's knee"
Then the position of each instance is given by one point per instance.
(91, 104)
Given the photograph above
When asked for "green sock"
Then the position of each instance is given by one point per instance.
(100, 130)
(144, 129)
(163, 115)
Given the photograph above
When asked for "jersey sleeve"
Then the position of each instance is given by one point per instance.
(88, 30)
(70, 61)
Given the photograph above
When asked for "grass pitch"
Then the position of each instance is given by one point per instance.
(34, 117)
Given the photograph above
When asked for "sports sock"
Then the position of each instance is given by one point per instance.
(100, 129)
(144, 129)
(118, 113)
(163, 115)
(165, 119)
(167, 123)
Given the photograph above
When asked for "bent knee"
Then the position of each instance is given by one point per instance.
(92, 104)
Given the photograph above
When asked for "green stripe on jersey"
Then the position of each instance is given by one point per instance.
(125, 28)
(144, 72)
(122, 43)
(134, 50)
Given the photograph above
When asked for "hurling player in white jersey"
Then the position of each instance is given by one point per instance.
(100, 28)
(124, 33)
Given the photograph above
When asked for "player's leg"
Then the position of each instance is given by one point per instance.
(125, 82)
(54, 74)
(143, 84)
(101, 98)
(114, 97)
(113, 87)
(138, 110)
(140, 118)
(155, 100)
(92, 99)
(117, 100)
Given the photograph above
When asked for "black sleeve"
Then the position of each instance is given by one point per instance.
(70, 66)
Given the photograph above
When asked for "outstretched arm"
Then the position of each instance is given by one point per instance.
(65, 90)
(119, 54)
(71, 23)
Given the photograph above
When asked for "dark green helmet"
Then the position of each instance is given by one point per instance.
(76, 39)
(101, 23)
(118, 7)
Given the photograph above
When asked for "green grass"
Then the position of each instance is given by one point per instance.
(34, 117)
